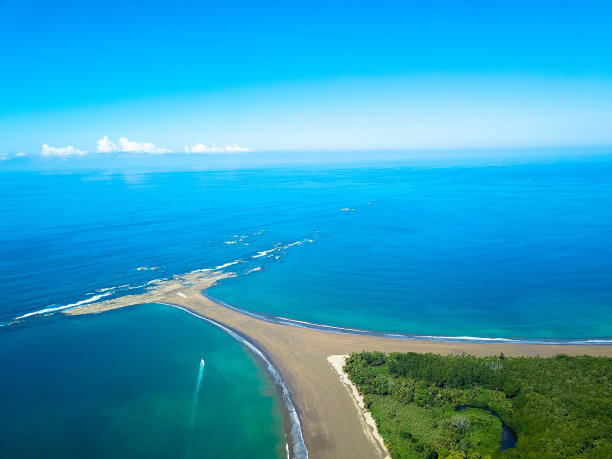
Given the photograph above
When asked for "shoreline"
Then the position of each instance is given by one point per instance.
(325, 408)
(398, 335)
(369, 425)
(292, 425)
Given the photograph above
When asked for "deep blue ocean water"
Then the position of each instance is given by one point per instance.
(514, 251)
(519, 251)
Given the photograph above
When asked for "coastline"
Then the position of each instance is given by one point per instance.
(324, 406)
(369, 425)
(396, 335)
(293, 427)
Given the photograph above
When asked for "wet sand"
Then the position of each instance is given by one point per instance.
(332, 426)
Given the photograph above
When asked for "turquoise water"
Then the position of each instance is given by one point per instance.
(511, 251)
(516, 251)
(122, 384)
(520, 252)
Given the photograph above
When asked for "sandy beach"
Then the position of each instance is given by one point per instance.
(329, 413)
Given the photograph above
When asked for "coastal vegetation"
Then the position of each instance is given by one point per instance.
(434, 406)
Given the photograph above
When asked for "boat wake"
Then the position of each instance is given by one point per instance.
(298, 447)
(196, 391)
(199, 381)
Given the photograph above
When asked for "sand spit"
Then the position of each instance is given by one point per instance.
(331, 426)
(157, 291)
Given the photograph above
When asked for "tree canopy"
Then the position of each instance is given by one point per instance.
(558, 407)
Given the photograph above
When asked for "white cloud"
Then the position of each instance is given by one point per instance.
(6, 156)
(106, 146)
(201, 148)
(124, 145)
(130, 146)
(61, 151)
(233, 148)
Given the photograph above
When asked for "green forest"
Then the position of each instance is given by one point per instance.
(434, 406)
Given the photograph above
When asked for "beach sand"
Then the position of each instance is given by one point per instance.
(368, 423)
(331, 421)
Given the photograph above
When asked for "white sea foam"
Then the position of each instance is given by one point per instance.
(467, 338)
(264, 252)
(592, 341)
(231, 263)
(114, 288)
(154, 281)
(66, 306)
(230, 242)
(319, 325)
(297, 440)
(278, 246)
(107, 291)
(201, 270)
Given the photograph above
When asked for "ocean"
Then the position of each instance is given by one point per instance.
(516, 251)
(131, 384)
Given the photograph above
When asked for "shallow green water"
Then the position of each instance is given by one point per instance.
(121, 384)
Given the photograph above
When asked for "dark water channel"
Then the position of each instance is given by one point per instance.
(508, 436)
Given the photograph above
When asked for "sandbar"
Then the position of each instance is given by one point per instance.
(330, 422)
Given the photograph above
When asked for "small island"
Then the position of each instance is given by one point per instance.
(462, 406)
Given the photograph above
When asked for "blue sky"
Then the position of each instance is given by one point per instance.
(296, 76)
